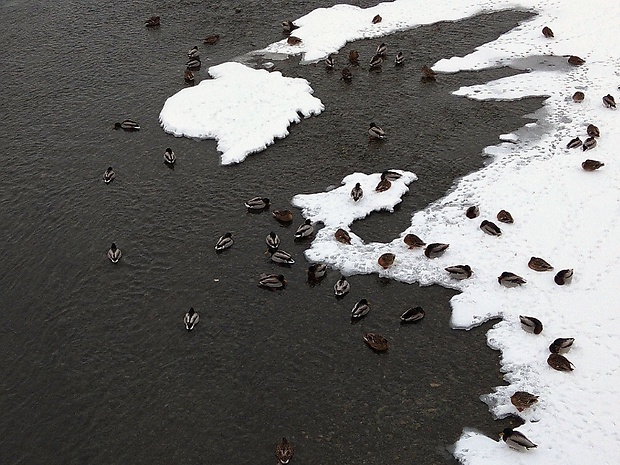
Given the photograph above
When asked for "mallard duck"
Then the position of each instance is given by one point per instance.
(357, 193)
(346, 75)
(282, 257)
(212, 39)
(292, 40)
(283, 216)
(472, 212)
(169, 156)
(505, 217)
(575, 60)
(376, 61)
(191, 319)
(386, 260)
(516, 440)
(273, 241)
(224, 242)
(193, 64)
(193, 53)
(609, 101)
(127, 125)
(284, 451)
(593, 131)
(153, 21)
(375, 132)
(342, 287)
(459, 271)
(592, 165)
(109, 175)
(509, 279)
(342, 236)
(578, 96)
(522, 400)
(381, 49)
(413, 241)
(114, 254)
(329, 61)
(436, 249)
(257, 203)
(354, 57)
(399, 59)
(412, 315)
(288, 27)
(376, 19)
(305, 230)
(561, 345)
(272, 281)
(490, 228)
(391, 175)
(376, 342)
(360, 309)
(316, 272)
(560, 363)
(383, 185)
(574, 143)
(538, 264)
(589, 144)
(563, 277)
(531, 324)
(547, 32)
(188, 75)
(428, 74)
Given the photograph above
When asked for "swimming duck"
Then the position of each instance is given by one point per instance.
(169, 156)
(538, 264)
(509, 279)
(436, 249)
(381, 49)
(413, 241)
(342, 287)
(109, 175)
(376, 61)
(357, 192)
(282, 257)
(288, 27)
(547, 32)
(399, 59)
(472, 212)
(609, 101)
(114, 254)
(346, 75)
(257, 203)
(383, 185)
(193, 53)
(212, 39)
(224, 242)
(593, 131)
(343, 236)
(283, 216)
(188, 75)
(304, 230)
(329, 61)
(191, 319)
(591, 165)
(272, 281)
(273, 241)
(386, 260)
(563, 277)
(375, 132)
(193, 64)
(376, 19)
(360, 309)
(127, 125)
(354, 57)
(376, 342)
(522, 400)
(153, 21)
(516, 440)
(428, 74)
(490, 228)
(292, 40)
(284, 451)
(412, 315)
(316, 272)
(561, 345)
(589, 143)
(560, 363)
(505, 217)
(578, 96)
(574, 143)
(531, 324)
(575, 60)
(459, 271)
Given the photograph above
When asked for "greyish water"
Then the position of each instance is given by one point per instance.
(96, 365)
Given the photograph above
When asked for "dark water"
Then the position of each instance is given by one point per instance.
(96, 365)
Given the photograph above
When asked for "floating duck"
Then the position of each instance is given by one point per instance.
(399, 59)
(224, 242)
(329, 61)
(376, 19)
(193, 53)
(547, 32)
(472, 212)
(360, 309)
(563, 277)
(561, 345)
(375, 132)
(376, 61)
(575, 60)
(191, 319)
(428, 74)
(193, 64)
(560, 363)
(413, 241)
(342, 236)
(436, 249)
(459, 271)
(516, 440)
(283, 216)
(153, 21)
(509, 279)
(522, 400)
(342, 287)
(490, 228)
(376, 342)
(386, 260)
(357, 193)
(114, 254)
(593, 131)
(284, 451)
(538, 264)
(505, 217)
(282, 257)
(288, 27)
(316, 272)
(589, 144)
(257, 203)
(304, 230)
(592, 165)
(127, 125)
(346, 75)
(273, 241)
(292, 40)
(272, 281)
(169, 156)
(412, 315)
(188, 75)
(578, 96)
(609, 101)
(109, 175)
(531, 324)
(381, 49)
(212, 39)
(354, 57)
(574, 143)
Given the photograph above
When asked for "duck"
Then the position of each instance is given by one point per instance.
(377, 19)
(346, 75)
(399, 59)
(193, 64)
(589, 144)
(342, 236)
(547, 32)
(292, 40)
(563, 277)
(127, 125)
(559, 362)
(575, 60)
(578, 96)
(490, 228)
(354, 57)
(376, 61)
(593, 131)
(381, 49)
(273, 241)
(357, 193)
(153, 21)
(272, 281)
(412, 241)
(522, 400)
(109, 175)
(188, 76)
(329, 61)
(316, 272)
(360, 309)
(459, 271)
(284, 451)
(191, 319)
(531, 324)
(288, 27)
(257, 203)
(516, 439)
(376, 342)
(304, 230)
(342, 287)
(375, 132)
(114, 254)
(472, 212)
(412, 315)
(436, 249)
(212, 39)
(391, 175)
(193, 53)
(224, 242)
(609, 101)
(283, 216)
(383, 185)
(592, 165)
(561, 345)
(505, 217)
(282, 257)
(574, 143)
(509, 279)
(386, 260)
(538, 264)
(169, 156)
(428, 74)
